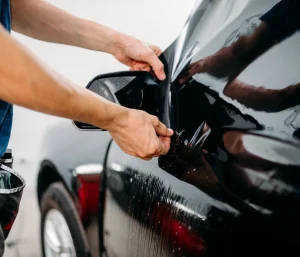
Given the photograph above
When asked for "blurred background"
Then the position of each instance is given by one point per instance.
(158, 22)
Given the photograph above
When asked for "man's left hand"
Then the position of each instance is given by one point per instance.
(139, 56)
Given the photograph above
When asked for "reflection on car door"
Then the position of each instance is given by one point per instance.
(230, 184)
(149, 212)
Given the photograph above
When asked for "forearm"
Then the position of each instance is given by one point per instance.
(43, 21)
(23, 81)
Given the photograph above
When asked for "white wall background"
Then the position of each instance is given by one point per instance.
(155, 21)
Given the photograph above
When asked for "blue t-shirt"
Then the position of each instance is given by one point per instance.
(6, 109)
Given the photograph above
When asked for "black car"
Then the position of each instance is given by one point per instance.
(230, 184)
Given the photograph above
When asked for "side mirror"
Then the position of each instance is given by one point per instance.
(132, 89)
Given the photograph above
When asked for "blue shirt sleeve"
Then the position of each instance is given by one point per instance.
(5, 16)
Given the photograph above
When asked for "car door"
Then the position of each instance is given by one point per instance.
(230, 184)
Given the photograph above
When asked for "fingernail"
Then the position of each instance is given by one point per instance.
(163, 76)
(170, 131)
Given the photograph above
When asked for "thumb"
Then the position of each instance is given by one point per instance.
(161, 128)
(156, 64)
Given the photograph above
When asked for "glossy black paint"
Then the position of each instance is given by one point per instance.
(230, 183)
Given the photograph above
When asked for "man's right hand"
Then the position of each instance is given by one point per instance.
(140, 134)
(136, 132)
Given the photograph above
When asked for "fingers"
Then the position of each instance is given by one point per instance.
(144, 136)
(140, 66)
(148, 59)
(158, 67)
(165, 143)
(160, 146)
(147, 158)
(156, 49)
(160, 128)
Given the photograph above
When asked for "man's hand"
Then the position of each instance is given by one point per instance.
(140, 134)
(23, 81)
(138, 55)
(136, 132)
(41, 20)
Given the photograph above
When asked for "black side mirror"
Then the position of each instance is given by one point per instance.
(132, 89)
